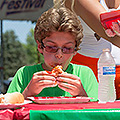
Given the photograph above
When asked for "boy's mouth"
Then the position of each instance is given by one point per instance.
(55, 64)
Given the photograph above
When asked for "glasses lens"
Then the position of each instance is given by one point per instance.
(67, 50)
(54, 49)
(51, 49)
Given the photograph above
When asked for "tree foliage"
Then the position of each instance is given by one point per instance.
(33, 56)
(14, 54)
(17, 54)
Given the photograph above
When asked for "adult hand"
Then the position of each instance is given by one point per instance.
(116, 27)
(111, 22)
(39, 81)
(71, 84)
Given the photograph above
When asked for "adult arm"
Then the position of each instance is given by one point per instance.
(89, 11)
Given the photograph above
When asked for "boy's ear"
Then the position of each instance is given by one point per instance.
(39, 47)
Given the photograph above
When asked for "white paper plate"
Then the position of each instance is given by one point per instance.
(12, 106)
(59, 100)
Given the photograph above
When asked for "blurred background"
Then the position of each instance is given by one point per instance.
(17, 46)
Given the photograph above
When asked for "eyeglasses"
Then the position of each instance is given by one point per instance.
(54, 49)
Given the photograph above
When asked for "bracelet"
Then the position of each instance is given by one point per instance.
(97, 36)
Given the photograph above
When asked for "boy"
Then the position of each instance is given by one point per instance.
(58, 34)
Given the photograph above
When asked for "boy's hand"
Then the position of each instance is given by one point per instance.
(71, 84)
(39, 81)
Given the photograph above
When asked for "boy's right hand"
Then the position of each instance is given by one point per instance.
(39, 81)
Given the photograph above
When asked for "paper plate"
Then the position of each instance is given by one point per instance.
(12, 106)
(59, 100)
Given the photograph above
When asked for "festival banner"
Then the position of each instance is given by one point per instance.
(23, 9)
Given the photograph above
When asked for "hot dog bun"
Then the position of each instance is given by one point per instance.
(12, 98)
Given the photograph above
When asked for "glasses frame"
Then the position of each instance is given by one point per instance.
(43, 46)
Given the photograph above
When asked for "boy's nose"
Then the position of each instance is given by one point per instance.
(59, 54)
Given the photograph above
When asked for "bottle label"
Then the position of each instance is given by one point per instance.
(108, 70)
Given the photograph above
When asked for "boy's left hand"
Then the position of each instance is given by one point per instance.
(71, 84)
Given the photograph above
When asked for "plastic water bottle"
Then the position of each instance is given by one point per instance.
(106, 77)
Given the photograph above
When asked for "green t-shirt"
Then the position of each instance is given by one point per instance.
(86, 75)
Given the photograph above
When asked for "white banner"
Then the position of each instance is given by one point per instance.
(23, 9)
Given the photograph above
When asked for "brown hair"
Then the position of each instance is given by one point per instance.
(62, 20)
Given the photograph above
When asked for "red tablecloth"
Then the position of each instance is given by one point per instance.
(6, 114)
(23, 113)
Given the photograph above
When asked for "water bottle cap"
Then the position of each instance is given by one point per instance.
(106, 50)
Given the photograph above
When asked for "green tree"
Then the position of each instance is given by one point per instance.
(33, 56)
(14, 54)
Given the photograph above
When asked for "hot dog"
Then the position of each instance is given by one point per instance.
(57, 70)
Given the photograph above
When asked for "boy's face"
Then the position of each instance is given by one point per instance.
(54, 56)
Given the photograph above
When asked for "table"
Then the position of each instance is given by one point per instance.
(81, 111)
(88, 111)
